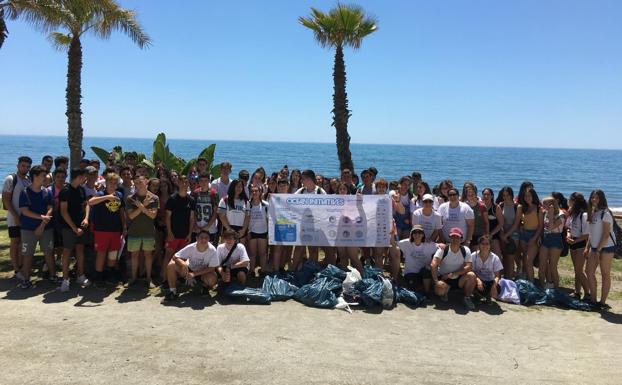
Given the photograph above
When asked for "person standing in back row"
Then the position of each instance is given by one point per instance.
(308, 187)
(180, 209)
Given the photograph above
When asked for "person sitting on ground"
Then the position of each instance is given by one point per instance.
(196, 260)
(418, 252)
(451, 269)
(487, 267)
(233, 259)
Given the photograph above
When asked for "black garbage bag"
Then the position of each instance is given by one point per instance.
(278, 289)
(530, 294)
(559, 298)
(371, 272)
(247, 294)
(408, 297)
(370, 290)
(303, 276)
(322, 292)
(332, 271)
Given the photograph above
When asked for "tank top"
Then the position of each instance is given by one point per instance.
(530, 220)
(509, 216)
(492, 217)
(556, 230)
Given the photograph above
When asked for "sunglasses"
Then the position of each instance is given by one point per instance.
(452, 194)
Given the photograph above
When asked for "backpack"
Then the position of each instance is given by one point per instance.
(616, 237)
(14, 178)
(462, 251)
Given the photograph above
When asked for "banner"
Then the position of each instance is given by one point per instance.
(329, 220)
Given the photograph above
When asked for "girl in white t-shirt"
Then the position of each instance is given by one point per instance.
(258, 230)
(576, 237)
(233, 210)
(600, 246)
(417, 257)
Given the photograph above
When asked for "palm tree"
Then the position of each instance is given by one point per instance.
(344, 25)
(75, 18)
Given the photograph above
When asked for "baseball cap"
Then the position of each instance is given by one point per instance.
(90, 170)
(428, 197)
(416, 228)
(455, 232)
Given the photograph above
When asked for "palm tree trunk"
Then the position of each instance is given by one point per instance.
(341, 114)
(73, 95)
(4, 32)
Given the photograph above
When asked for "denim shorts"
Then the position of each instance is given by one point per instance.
(609, 249)
(552, 241)
(526, 235)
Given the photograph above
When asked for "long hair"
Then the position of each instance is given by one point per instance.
(602, 204)
(465, 188)
(504, 189)
(426, 189)
(551, 199)
(231, 193)
(563, 202)
(579, 205)
(534, 198)
(291, 179)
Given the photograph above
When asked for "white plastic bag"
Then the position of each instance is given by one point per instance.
(342, 304)
(387, 293)
(508, 292)
(352, 277)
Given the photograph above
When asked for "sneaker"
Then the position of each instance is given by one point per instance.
(25, 284)
(18, 275)
(587, 298)
(82, 280)
(468, 302)
(64, 287)
(445, 297)
(54, 279)
(169, 297)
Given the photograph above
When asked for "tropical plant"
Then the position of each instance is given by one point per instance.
(116, 155)
(75, 18)
(344, 25)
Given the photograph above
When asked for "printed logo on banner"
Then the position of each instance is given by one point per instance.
(284, 231)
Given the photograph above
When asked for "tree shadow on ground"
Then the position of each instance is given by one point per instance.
(133, 294)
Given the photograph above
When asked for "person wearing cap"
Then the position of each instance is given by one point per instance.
(451, 269)
(196, 260)
(418, 252)
(428, 219)
(456, 214)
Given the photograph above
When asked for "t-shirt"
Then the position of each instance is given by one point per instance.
(485, 270)
(199, 260)
(76, 203)
(142, 226)
(221, 187)
(453, 261)
(238, 255)
(416, 257)
(38, 203)
(364, 190)
(237, 214)
(259, 218)
(455, 217)
(90, 192)
(7, 187)
(429, 222)
(577, 225)
(205, 206)
(107, 215)
(596, 228)
(180, 208)
(316, 190)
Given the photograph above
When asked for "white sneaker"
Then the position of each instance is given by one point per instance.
(64, 287)
(82, 280)
(19, 276)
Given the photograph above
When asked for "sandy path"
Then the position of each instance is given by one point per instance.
(129, 338)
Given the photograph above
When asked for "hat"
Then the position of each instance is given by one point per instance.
(90, 170)
(416, 228)
(428, 197)
(455, 232)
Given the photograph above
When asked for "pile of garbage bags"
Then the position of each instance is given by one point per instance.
(329, 288)
(527, 293)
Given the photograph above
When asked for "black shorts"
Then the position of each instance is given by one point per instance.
(416, 279)
(487, 287)
(234, 272)
(58, 237)
(239, 230)
(259, 235)
(576, 246)
(15, 232)
(453, 283)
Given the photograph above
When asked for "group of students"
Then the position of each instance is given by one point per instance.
(168, 228)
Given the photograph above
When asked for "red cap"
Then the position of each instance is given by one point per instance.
(455, 232)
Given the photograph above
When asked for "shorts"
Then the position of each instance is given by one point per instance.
(552, 241)
(176, 244)
(259, 235)
(609, 249)
(71, 239)
(30, 240)
(107, 240)
(15, 232)
(135, 244)
(453, 283)
(416, 279)
(234, 272)
(526, 235)
(487, 288)
(58, 237)
(577, 246)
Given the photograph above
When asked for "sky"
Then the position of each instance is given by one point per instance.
(527, 73)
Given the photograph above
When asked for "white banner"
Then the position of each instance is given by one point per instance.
(329, 220)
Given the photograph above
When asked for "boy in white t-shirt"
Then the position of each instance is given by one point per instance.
(233, 261)
(451, 269)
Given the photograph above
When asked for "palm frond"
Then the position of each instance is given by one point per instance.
(4, 32)
(118, 19)
(60, 41)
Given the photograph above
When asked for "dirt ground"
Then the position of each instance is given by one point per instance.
(90, 336)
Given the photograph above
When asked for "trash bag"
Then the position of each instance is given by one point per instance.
(247, 294)
(371, 272)
(278, 289)
(319, 293)
(352, 277)
(303, 276)
(388, 296)
(370, 291)
(408, 297)
(559, 298)
(508, 291)
(332, 271)
(530, 294)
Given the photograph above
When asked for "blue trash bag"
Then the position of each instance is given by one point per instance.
(530, 294)
(332, 271)
(408, 297)
(303, 276)
(370, 290)
(371, 272)
(247, 294)
(322, 292)
(559, 298)
(278, 289)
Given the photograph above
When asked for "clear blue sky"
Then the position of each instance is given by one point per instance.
(527, 73)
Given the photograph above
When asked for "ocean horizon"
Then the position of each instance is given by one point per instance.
(550, 169)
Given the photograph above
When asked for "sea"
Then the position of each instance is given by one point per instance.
(564, 170)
